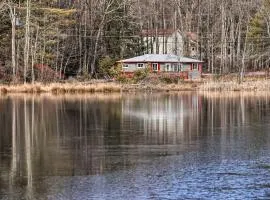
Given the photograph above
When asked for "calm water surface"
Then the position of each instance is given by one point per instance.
(135, 146)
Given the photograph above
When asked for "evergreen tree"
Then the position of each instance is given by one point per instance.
(259, 34)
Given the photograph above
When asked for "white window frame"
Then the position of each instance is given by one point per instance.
(179, 67)
(125, 66)
(153, 67)
(167, 67)
(140, 65)
(175, 67)
(171, 68)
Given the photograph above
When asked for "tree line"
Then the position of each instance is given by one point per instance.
(73, 37)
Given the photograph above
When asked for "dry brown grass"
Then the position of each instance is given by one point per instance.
(79, 88)
(258, 85)
(23, 88)
(184, 86)
(82, 88)
(58, 88)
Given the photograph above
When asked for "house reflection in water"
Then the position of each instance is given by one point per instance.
(164, 119)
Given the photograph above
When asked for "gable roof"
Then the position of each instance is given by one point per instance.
(192, 36)
(168, 32)
(163, 58)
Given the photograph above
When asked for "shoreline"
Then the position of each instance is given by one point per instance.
(114, 87)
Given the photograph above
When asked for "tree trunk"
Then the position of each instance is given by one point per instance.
(27, 39)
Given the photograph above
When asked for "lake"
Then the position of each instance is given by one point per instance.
(186, 145)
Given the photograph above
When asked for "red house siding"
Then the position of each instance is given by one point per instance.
(200, 68)
(183, 74)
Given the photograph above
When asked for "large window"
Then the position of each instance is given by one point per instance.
(140, 65)
(125, 65)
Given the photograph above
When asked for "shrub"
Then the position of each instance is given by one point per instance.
(140, 74)
(115, 71)
(108, 69)
(170, 79)
(122, 78)
(217, 77)
(42, 73)
(6, 74)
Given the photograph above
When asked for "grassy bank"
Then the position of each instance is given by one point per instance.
(61, 88)
(78, 88)
(258, 85)
(113, 87)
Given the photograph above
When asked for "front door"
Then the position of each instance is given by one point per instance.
(155, 67)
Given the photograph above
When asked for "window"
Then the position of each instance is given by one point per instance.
(175, 67)
(155, 66)
(185, 67)
(179, 67)
(140, 65)
(167, 67)
(194, 66)
(125, 66)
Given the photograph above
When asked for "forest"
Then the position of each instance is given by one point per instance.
(47, 40)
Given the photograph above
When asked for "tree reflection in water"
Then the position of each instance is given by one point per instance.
(53, 136)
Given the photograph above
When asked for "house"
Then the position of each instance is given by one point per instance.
(163, 41)
(170, 41)
(164, 63)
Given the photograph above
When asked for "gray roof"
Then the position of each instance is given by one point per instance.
(160, 58)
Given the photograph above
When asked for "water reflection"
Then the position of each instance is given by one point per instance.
(53, 136)
(164, 119)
